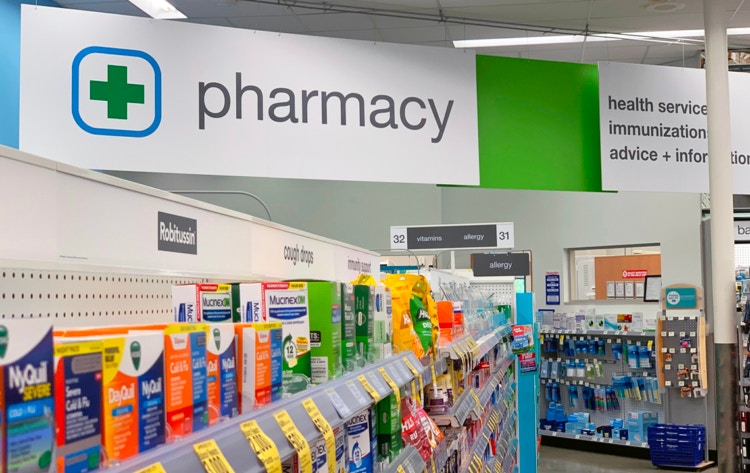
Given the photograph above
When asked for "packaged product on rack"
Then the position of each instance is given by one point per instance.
(259, 375)
(325, 331)
(364, 310)
(27, 405)
(221, 371)
(358, 441)
(134, 393)
(419, 313)
(405, 338)
(186, 371)
(349, 359)
(383, 338)
(209, 303)
(78, 404)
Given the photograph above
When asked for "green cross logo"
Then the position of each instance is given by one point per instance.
(117, 92)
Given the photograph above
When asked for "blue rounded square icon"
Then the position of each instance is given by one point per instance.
(116, 92)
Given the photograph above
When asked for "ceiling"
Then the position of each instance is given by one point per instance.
(439, 22)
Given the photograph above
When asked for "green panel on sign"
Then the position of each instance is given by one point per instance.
(538, 125)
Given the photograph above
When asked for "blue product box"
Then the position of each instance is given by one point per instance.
(573, 427)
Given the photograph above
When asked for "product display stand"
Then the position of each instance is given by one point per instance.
(528, 393)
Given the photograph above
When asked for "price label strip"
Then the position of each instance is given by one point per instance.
(155, 468)
(392, 384)
(211, 458)
(324, 428)
(296, 439)
(368, 387)
(265, 448)
(478, 408)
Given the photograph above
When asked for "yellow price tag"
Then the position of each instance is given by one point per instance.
(432, 367)
(432, 462)
(392, 384)
(368, 387)
(296, 439)
(324, 428)
(476, 400)
(155, 468)
(415, 372)
(211, 458)
(414, 392)
(265, 448)
(486, 438)
(498, 466)
(400, 469)
(650, 345)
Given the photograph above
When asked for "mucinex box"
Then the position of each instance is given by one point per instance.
(325, 331)
(383, 328)
(287, 303)
(78, 404)
(221, 372)
(209, 303)
(185, 362)
(339, 434)
(27, 405)
(133, 394)
(358, 442)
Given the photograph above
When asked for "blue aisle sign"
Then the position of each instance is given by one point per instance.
(552, 288)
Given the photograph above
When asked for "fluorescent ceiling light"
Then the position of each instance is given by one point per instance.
(565, 39)
(159, 9)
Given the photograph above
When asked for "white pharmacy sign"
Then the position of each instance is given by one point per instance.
(653, 128)
(134, 94)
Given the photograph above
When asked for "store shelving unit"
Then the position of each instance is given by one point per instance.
(60, 259)
(611, 367)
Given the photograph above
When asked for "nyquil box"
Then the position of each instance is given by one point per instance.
(208, 303)
(27, 405)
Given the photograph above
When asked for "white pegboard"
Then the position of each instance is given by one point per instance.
(87, 298)
(499, 291)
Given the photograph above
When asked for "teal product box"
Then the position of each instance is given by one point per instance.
(27, 407)
(325, 331)
(637, 424)
(388, 416)
(389, 446)
(348, 329)
(358, 443)
(364, 310)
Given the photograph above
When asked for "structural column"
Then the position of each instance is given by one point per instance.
(715, 18)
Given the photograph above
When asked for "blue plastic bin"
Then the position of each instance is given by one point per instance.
(677, 445)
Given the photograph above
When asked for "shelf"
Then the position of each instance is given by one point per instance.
(465, 404)
(476, 345)
(409, 459)
(598, 333)
(337, 401)
(590, 438)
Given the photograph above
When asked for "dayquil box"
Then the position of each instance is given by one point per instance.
(27, 405)
(287, 303)
(348, 329)
(221, 371)
(209, 303)
(325, 331)
(364, 310)
(185, 362)
(132, 394)
(78, 404)
(260, 370)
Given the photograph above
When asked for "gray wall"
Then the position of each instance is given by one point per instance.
(353, 212)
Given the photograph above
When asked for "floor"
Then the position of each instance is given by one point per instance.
(562, 460)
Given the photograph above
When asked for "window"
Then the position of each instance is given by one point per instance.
(611, 272)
